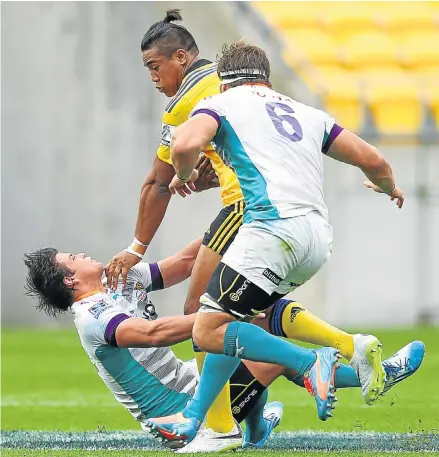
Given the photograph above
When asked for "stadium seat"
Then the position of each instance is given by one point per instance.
(410, 16)
(289, 14)
(382, 76)
(342, 100)
(396, 107)
(348, 17)
(427, 75)
(316, 45)
(420, 49)
(375, 48)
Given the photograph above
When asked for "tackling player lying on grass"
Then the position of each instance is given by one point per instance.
(172, 57)
(129, 344)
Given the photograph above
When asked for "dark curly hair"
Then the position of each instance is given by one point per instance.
(45, 281)
(171, 36)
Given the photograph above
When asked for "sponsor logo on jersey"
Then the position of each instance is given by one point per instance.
(97, 309)
(167, 134)
(272, 276)
(235, 296)
(149, 313)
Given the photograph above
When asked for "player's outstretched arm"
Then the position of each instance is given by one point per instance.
(178, 267)
(351, 149)
(154, 200)
(165, 331)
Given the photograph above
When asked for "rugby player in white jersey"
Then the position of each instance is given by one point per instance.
(128, 343)
(275, 145)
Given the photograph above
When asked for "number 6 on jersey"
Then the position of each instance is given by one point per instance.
(278, 120)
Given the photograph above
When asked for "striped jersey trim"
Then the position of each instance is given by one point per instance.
(190, 82)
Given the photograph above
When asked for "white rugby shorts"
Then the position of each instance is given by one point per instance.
(282, 254)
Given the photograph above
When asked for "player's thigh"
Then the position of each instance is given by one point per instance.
(250, 272)
(216, 241)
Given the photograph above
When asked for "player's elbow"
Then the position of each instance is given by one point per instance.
(179, 149)
(185, 142)
(152, 181)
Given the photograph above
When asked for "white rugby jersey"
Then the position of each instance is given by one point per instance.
(275, 146)
(149, 382)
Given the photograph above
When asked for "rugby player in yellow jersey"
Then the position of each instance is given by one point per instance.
(171, 55)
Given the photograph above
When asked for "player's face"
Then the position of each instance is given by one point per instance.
(166, 73)
(83, 265)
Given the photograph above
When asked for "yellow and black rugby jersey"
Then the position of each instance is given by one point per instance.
(200, 82)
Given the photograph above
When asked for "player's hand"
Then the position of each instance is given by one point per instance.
(183, 187)
(207, 177)
(397, 193)
(119, 265)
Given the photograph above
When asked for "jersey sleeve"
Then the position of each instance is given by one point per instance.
(102, 321)
(149, 275)
(171, 120)
(331, 131)
(164, 149)
(210, 106)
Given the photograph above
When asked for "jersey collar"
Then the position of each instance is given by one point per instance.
(89, 294)
(198, 64)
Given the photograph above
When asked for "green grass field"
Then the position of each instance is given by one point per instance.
(48, 384)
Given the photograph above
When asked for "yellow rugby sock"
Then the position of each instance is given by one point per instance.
(219, 417)
(297, 323)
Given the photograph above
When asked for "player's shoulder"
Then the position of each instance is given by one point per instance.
(91, 313)
(139, 277)
(199, 83)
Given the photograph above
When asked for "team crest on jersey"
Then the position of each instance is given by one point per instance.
(97, 309)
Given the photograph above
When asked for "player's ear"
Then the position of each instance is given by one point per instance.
(70, 281)
(181, 56)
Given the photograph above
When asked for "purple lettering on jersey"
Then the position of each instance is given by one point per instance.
(210, 113)
(156, 277)
(333, 134)
(110, 331)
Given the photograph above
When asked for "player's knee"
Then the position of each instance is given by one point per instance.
(207, 337)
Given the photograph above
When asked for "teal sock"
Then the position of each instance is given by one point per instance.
(345, 377)
(217, 370)
(256, 425)
(247, 341)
